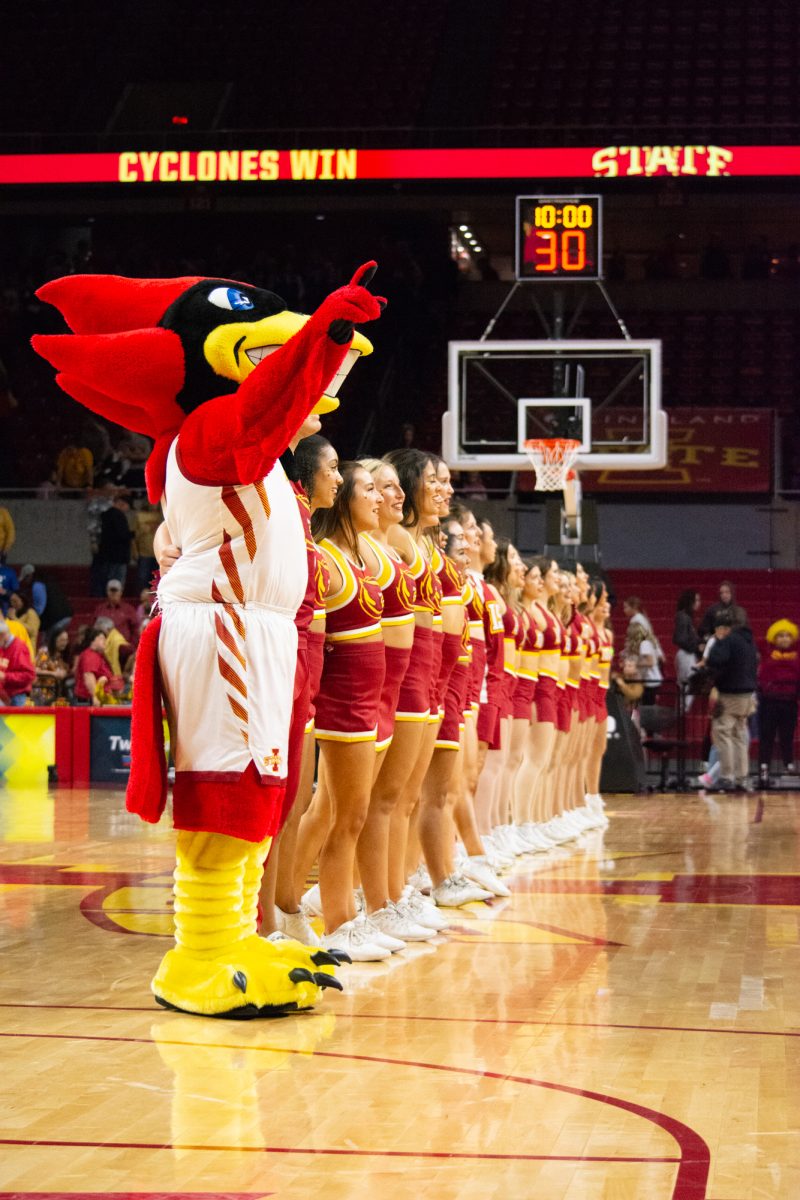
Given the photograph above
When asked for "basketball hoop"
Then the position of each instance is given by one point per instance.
(552, 460)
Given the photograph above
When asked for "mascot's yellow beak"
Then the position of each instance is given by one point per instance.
(235, 349)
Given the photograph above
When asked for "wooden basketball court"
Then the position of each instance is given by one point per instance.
(625, 1027)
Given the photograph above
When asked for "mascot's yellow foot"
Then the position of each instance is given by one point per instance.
(251, 978)
(220, 967)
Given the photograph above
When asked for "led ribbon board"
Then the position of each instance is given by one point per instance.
(344, 164)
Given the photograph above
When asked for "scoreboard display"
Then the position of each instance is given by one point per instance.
(559, 237)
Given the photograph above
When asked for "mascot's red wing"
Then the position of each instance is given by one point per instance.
(140, 369)
(111, 303)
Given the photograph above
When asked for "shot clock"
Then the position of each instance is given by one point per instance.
(559, 237)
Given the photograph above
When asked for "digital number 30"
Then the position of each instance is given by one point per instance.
(565, 253)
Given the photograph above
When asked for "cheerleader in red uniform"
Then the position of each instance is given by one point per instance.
(539, 746)
(587, 597)
(399, 599)
(572, 815)
(551, 782)
(504, 579)
(314, 473)
(525, 707)
(435, 829)
(450, 888)
(605, 634)
(492, 687)
(415, 733)
(347, 705)
(461, 708)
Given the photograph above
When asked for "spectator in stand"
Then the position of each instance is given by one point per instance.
(110, 469)
(74, 467)
(135, 451)
(685, 636)
(20, 610)
(778, 691)
(17, 671)
(45, 595)
(34, 590)
(145, 523)
(472, 485)
(733, 662)
(47, 489)
(727, 605)
(116, 535)
(8, 533)
(641, 641)
(117, 650)
(92, 670)
(54, 670)
(121, 614)
(8, 584)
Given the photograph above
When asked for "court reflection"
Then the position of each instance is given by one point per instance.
(224, 1091)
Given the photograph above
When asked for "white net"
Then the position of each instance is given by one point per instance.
(552, 459)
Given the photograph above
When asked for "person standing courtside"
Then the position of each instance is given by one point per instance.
(733, 662)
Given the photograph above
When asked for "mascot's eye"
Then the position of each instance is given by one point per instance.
(230, 298)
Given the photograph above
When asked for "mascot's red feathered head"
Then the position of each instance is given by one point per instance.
(145, 353)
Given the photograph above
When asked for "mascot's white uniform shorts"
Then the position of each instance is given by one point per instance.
(228, 644)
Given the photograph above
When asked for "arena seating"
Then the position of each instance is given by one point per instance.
(765, 596)
(616, 65)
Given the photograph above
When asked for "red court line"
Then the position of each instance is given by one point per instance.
(135, 1195)
(693, 1165)
(325, 1151)
(141, 1008)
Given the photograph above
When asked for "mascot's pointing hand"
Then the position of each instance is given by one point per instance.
(352, 304)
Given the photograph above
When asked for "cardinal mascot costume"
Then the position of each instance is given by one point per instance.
(221, 375)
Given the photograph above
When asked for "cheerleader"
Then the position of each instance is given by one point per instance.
(504, 578)
(463, 542)
(394, 737)
(490, 689)
(574, 815)
(556, 826)
(347, 706)
(418, 700)
(314, 471)
(525, 712)
(599, 732)
(587, 598)
(448, 888)
(540, 743)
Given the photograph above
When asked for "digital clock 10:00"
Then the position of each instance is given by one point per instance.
(571, 216)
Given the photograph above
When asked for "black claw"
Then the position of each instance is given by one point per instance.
(341, 956)
(324, 959)
(366, 277)
(327, 981)
(240, 981)
(381, 303)
(340, 331)
(302, 975)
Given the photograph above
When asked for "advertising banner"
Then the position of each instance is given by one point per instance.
(110, 749)
(711, 450)
(27, 747)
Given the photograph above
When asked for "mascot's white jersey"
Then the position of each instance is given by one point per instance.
(228, 643)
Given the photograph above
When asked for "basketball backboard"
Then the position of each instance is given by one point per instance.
(606, 393)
